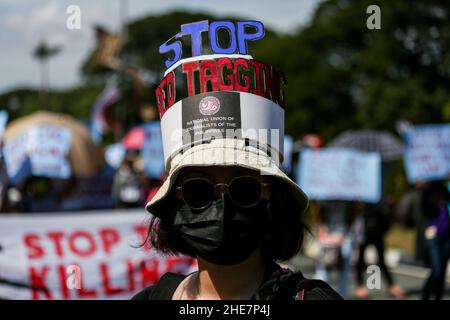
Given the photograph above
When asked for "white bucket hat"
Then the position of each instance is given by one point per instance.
(225, 153)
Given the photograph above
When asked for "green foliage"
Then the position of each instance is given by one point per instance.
(76, 101)
(340, 74)
(43, 51)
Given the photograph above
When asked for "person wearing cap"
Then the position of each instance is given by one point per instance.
(226, 200)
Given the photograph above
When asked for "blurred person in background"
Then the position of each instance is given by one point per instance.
(376, 225)
(337, 238)
(128, 186)
(435, 199)
(421, 223)
(4, 181)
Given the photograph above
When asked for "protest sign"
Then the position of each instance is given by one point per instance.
(288, 150)
(427, 152)
(340, 174)
(152, 150)
(3, 121)
(83, 255)
(27, 155)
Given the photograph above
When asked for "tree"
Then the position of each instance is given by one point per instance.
(43, 53)
(342, 75)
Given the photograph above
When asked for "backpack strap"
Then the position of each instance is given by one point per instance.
(297, 287)
(313, 289)
(293, 284)
(166, 286)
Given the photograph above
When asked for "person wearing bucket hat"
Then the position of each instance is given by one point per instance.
(226, 200)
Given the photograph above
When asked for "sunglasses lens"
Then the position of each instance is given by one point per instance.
(198, 193)
(245, 191)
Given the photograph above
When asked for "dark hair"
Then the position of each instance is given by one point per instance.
(284, 238)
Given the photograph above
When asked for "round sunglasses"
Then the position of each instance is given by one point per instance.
(244, 191)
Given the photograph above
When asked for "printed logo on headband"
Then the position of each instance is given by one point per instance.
(209, 106)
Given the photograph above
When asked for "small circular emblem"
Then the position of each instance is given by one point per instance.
(209, 105)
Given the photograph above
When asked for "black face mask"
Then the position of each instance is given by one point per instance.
(223, 233)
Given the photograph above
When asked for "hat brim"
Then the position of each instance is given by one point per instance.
(225, 153)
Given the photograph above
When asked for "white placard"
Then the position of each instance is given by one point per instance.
(340, 174)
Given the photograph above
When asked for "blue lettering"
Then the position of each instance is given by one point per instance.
(244, 37)
(213, 33)
(238, 40)
(195, 29)
(176, 48)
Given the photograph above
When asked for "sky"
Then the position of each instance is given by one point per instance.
(24, 23)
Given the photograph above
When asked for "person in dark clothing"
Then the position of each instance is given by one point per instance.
(435, 200)
(226, 200)
(295, 287)
(375, 227)
(4, 182)
(235, 243)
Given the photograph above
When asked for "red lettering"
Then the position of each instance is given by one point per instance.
(225, 68)
(189, 68)
(142, 231)
(109, 237)
(56, 237)
(108, 289)
(178, 264)
(162, 86)
(75, 237)
(170, 89)
(268, 82)
(258, 66)
(37, 280)
(208, 73)
(149, 272)
(63, 281)
(83, 292)
(166, 89)
(239, 65)
(224, 74)
(31, 242)
(160, 101)
(130, 274)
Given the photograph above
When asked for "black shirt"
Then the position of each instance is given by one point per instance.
(294, 287)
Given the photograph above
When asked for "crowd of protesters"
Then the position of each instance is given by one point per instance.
(345, 228)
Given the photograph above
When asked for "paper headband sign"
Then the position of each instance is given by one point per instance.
(220, 74)
(226, 94)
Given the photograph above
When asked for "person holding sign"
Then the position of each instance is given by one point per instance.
(435, 200)
(226, 200)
